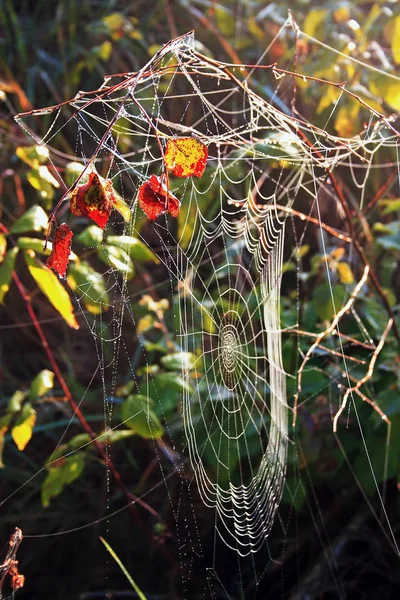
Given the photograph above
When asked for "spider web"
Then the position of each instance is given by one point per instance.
(270, 178)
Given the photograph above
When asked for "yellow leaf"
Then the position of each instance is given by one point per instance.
(32, 155)
(338, 253)
(341, 14)
(396, 40)
(313, 20)
(392, 95)
(185, 157)
(51, 286)
(145, 323)
(345, 273)
(22, 431)
(346, 123)
(105, 50)
(255, 29)
(3, 246)
(331, 95)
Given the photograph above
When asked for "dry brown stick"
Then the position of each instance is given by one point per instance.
(363, 380)
(334, 332)
(332, 326)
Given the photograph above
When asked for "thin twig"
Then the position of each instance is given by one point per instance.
(332, 327)
(360, 382)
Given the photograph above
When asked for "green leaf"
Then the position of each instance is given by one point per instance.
(377, 455)
(225, 20)
(22, 430)
(138, 591)
(74, 467)
(172, 381)
(138, 416)
(6, 271)
(52, 486)
(35, 219)
(79, 440)
(72, 172)
(15, 402)
(322, 300)
(33, 155)
(169, 388)
(118, 258)
(178, 361)
(116, 435)
(136, 249)
(63, 473)
(89, 286)
(392, 205)
(4, 423)
(42, 180)
(121, 206)
(37, 245)
(52, 287)
(43, 382)
(91, 237)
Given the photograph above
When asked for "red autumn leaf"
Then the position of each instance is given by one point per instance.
(155, 199)
(59, 257)
(93, 199)
(185, 157)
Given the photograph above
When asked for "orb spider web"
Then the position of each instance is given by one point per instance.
(223, 262)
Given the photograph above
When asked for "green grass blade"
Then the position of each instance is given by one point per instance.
(123, 569)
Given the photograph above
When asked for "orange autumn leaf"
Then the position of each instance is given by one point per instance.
(17, 579)
(59, 257)
(185, 157)
(93, 199)
(155, 199)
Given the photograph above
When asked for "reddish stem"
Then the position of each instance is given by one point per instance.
(77, 411)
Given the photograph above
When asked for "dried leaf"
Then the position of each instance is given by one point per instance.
(155, 199)
(59, 257)
(93, 199)
(186, 157)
